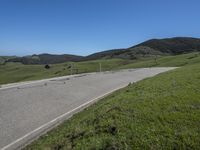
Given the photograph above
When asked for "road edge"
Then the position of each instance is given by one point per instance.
(28, 138)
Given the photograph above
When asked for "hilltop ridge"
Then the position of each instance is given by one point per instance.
(149, 48)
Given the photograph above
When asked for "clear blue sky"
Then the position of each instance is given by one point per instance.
(86, 26)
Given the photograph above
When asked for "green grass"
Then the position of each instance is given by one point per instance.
(162, 112)
(167, 61)
(16, 72)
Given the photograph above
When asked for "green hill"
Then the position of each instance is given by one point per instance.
(3, 59)
(33, 72)
(150, 48)
(154, 47)
(177, 45)
(46, 59)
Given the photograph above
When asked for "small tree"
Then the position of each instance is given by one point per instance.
(47, 66)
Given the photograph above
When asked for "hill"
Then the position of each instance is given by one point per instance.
(129, 53)
(3, 59)
(177, 45)
(167, 46)
(105, 54)
(46, 59)
(150, 48)
(16, 72)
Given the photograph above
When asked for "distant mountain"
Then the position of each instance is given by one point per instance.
(46, 59)
(168, 46)
(177, 45)
(105, 54)
(3, 59)
(129, 53)
(153, 47)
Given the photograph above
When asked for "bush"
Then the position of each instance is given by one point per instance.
(47, 67)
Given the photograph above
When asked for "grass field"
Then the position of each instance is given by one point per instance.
(16, 72)
(167, 61)
(162, 112)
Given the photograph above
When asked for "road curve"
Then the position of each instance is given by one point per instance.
(29, 109)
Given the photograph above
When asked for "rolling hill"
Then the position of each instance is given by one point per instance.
(17, 72)
(129, 53)
(150, 48)
(177, 45)
(46, 59)
(167, 46)
(3, 59)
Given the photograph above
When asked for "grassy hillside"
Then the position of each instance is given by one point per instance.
(153, 47)
(130, 53)
(46, 59)
(4, 58)
(166, 61)
(162, 112)
(177, 45)
(15, 72)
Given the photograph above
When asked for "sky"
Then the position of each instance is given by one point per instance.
(82, 27)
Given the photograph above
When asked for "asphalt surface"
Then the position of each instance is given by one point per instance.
(29, 109)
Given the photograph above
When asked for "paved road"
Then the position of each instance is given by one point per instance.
(30, 108)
